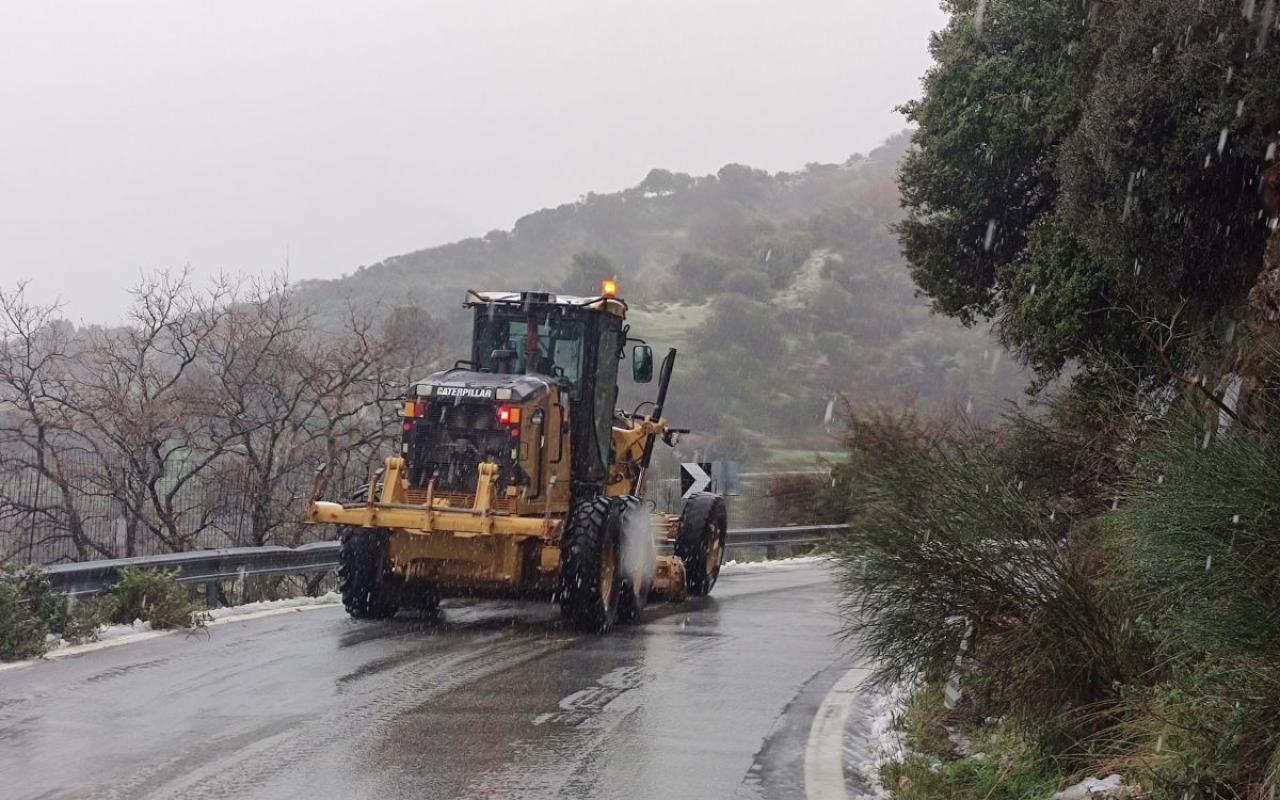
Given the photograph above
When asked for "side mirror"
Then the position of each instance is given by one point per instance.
(642, 363)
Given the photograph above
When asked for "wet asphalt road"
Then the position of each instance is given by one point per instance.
(712, 698)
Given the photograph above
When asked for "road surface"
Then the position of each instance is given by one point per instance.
(712, 698)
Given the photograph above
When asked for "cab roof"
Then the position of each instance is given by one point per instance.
(612, 305)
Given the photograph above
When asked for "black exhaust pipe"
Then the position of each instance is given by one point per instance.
(664, 382)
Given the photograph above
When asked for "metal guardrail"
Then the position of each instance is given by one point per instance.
(209, 567)
(199, 566)
(793, 535)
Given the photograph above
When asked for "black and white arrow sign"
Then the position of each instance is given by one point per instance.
(694, 477)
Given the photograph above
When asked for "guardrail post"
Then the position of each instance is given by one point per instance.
(211, 594)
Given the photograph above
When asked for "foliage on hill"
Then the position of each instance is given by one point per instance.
(738, 213)
(781, 291)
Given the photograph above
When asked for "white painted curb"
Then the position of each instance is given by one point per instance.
(824, 753)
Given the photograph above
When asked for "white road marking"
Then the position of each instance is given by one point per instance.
(824, 754)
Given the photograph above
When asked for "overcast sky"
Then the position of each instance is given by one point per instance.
(231, 135)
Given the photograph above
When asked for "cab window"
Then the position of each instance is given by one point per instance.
(559, 346)
(606, 384)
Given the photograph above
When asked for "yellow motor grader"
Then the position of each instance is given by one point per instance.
(517, 476)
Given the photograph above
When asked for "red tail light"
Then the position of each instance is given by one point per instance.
(508, 415)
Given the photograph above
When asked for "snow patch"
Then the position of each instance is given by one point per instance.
(1109, 786)
(881, 742)
(753, 566)
(229, 612)
(807, 281)
(139, 631)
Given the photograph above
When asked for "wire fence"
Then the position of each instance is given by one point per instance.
(43, 523)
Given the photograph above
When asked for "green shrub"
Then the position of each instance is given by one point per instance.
(153, 596)
(924, 722)
(1199, 555)
(1005, 763)
(85, 616)
(1013, 778)
(30, 610)
(1210, 728)
(946, 547)
(1198, 536)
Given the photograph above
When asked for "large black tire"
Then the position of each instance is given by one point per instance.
(367, 591)
(700, 541)
(590, 583)
(638, 557)
(420, 595)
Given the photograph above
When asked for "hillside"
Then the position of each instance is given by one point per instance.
(781, 290)
(643, 229)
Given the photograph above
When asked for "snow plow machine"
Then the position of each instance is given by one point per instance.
(518, 477)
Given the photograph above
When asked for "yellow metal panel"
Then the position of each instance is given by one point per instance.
(549, 559)
(417, 518)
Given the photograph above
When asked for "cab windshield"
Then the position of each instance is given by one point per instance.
(559, 345)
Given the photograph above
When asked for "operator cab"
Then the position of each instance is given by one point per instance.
(529, 351)
(576, 342)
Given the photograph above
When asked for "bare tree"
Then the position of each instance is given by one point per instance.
(263, 378)
(147, 412)
(295, 395)
(199, 420)
(39, 440)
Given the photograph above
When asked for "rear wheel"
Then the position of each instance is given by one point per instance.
(638, 557)
(700, 541)
(367, 590)
(591, 582)
(420, 595)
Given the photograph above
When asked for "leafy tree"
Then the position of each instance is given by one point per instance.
(664, 181)
(1081, 168)
(748, 283)
(831, 307)
(700, 274)
(997, 106)
(586, 271)
(737, 322)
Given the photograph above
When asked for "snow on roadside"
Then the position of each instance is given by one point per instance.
(750, 566)
(878, 741)
(227, 612)
(114, 635)
(104, 633)
(1110, 786)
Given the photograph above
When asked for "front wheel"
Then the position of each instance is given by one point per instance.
(367, 591)
(590, 579)
(700, 541)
